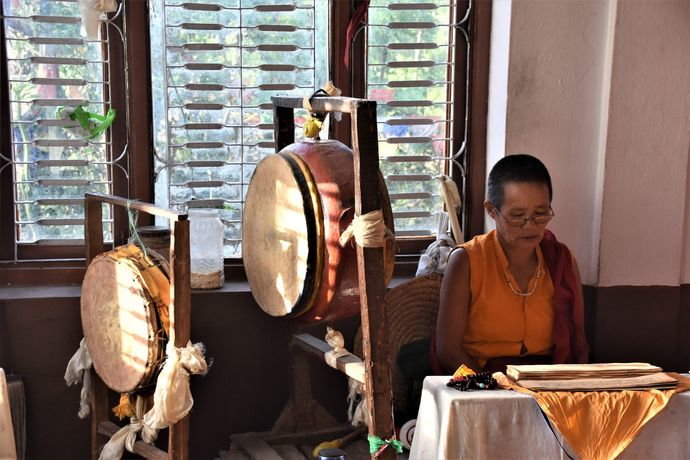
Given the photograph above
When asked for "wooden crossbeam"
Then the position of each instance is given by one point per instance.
(321, 104)
(142, 448)
(349, 364)
(255, 447)
(313, 437)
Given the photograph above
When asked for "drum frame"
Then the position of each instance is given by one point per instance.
(180, 318)
(370, 261)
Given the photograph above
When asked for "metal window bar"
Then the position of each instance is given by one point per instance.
(413, 157)
(35, 40)
(227, 117)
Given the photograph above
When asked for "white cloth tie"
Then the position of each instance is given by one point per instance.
(330, 89)
(357, 412)
(435, 257)
(369, 230)
(172, 399)
(453, 202)
(79, 371)
(92, 12)
(126, 436)
(356, 399)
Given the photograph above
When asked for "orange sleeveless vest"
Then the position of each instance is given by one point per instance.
(500, 322)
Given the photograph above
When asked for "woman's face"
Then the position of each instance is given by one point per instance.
(521, 200)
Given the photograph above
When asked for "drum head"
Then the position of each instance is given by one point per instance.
(282, 235)
(118, 319)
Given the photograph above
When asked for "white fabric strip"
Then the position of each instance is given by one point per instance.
(126, 436)
(453, 202)
(172, 399)
(92, 12)
(369, 230)
(79, 371)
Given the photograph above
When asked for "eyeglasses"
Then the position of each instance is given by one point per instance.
(539, 219)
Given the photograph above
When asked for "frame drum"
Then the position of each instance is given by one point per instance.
(124, 313)
(298, 203)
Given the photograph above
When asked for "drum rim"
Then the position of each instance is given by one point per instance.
(313, 214)
(134, 262)
(143, 264)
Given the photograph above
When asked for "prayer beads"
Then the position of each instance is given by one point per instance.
(479, 381)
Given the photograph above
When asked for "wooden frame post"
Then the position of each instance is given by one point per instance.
(180, 321)
(372, 287)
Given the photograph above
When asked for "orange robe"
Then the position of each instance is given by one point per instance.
(502, 323)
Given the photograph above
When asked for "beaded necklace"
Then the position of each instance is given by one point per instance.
(534, 287)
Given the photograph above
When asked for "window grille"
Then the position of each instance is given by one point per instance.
(215, 66)
(50, 65)
(411, 74)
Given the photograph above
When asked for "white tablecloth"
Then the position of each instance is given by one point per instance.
(502, 424)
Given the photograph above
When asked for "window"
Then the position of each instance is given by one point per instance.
(214, 64)
(411, 74)
(212, 82)
(50, 162)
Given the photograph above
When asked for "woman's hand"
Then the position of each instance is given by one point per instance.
(453, 314)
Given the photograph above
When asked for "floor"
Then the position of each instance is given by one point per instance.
(358, 450)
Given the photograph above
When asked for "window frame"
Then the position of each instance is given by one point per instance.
(36, 267)
(472, 187)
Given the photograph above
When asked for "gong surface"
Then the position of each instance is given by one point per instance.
(281, 235)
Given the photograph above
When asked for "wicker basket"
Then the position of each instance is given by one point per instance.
(411, 313)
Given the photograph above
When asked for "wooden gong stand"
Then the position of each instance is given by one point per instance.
(370, 261)
(180, 309)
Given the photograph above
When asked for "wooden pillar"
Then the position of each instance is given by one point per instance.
(372, 285)
(180, 319)
(283, 126)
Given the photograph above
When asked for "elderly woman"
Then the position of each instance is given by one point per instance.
(514, 294)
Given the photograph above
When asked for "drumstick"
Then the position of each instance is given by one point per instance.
(340, 442)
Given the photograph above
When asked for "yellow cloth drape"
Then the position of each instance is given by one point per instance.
(599, 425)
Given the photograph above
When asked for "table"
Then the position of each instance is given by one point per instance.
(502, 424)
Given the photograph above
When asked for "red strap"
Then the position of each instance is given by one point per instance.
(352, 26)
(570, 343)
